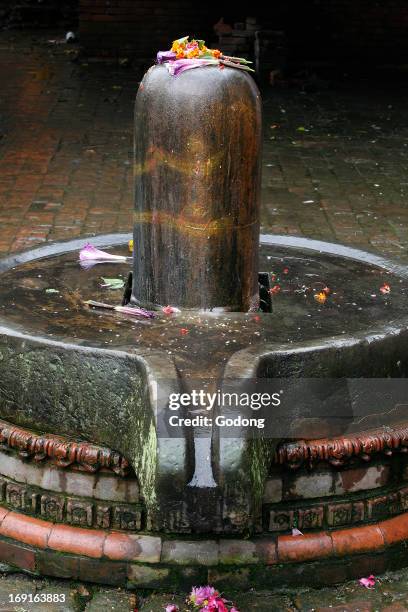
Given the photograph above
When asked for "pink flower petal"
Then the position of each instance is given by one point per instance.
(172, 608)
(178, 66)
(135, 312)
(296, 532)
(90, 253)
(165, 56)
(368, 582)
(199, 595)
(170, 310)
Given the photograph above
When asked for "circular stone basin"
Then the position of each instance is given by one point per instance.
(338, 312)
(321, 293)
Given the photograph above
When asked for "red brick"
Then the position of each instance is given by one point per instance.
(77, 541)
(303, 548)
(17, 555)
(396, 529)
(357, 540)
(26, 529)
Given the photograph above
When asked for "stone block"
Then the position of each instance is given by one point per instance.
(51, 563)
(226, 579)
(79, 513)
(142, 576)
(281, 520)
(182, 552)
(103, 572)
(238, 552)
(361, 479)
(129, 547)
(308, 486)
(15, 554)
(52, 508)
(311, 518)
(273, 491)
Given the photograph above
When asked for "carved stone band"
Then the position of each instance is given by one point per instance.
(61, 452)
(339, 451)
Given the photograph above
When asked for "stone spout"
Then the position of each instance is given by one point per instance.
(197, 179)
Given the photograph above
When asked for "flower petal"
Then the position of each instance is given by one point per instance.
(165, 56)
(179, 66)
(89, 252)
(135, 312)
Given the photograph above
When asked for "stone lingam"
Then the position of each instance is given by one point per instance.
(97, 483)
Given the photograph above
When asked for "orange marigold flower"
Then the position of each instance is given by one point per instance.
(216, 53)
(180, 55)
(320, 297)
(177, 46)
(192, 53)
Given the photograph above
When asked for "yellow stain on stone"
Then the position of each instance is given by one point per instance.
(190, 225)
(188, 166)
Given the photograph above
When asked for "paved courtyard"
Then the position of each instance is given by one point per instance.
(335, 159)
(389, 595)
(335, 168)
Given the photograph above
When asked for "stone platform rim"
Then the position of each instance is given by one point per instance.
(120, 238)
(147, 560)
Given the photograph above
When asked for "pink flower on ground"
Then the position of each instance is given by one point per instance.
(172, 608)
(215, 604)
(385, 289)
(91, 253)
(234, 609)
(368, 582)
(170, 309)
(201, 595)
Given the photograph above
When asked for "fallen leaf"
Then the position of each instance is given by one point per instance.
(113, 283)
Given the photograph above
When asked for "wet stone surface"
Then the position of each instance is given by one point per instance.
(316, 296)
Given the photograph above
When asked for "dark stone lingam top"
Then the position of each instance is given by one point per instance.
(197, 179)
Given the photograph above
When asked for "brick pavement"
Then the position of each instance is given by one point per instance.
(390, 594)
(334, 167)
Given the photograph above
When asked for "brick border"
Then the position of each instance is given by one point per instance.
(118, 558)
